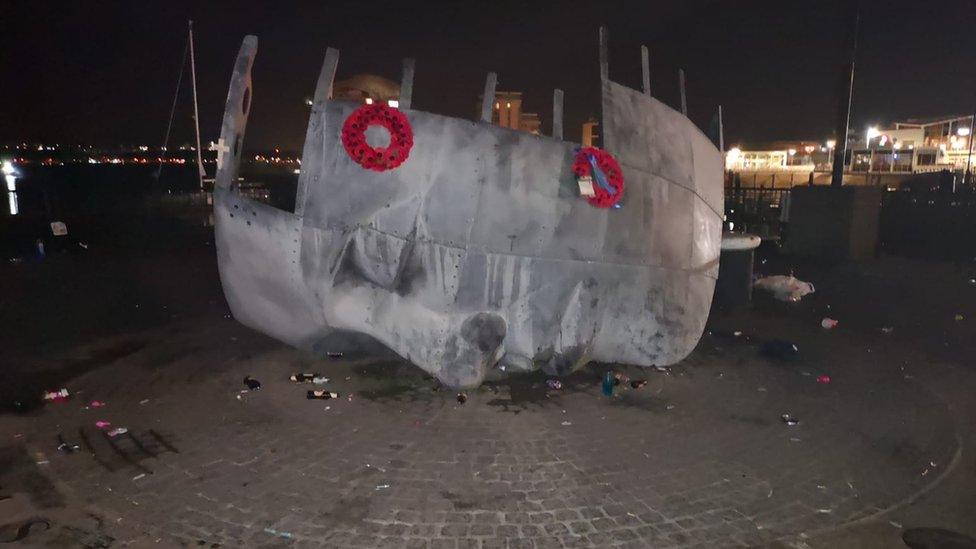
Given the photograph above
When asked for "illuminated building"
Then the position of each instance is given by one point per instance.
(507, 112)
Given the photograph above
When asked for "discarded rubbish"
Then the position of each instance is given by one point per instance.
(789, 420)
(785, 288)
(887, 330)
(96, 404)
(608, 384)
(824, 379)
(117, 431)
(251, 383)
(382, 487)
(554, 384)
(566, 423)
(56, 396)
(304, 377)
(333, 354)
(462, 398)
(67, 447)
(959, 317)
(638, 384)
(319, 380)
(102, 424)
(321, 394)
(139, 476)
(669, 407)
(779, 348)
(829, 323)
(666, 370)
(619, 378)
(273, 532)
(144, 401)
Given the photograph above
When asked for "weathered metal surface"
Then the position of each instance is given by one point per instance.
(477, 252)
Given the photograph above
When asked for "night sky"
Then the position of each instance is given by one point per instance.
(104, 72)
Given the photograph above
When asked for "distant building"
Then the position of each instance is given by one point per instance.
(367, 88)
(914, 146)
(507, 113)
(590, 138)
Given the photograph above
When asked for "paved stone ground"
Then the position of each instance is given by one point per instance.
(699, 457)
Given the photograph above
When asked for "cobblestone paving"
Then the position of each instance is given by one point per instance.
(699, 457)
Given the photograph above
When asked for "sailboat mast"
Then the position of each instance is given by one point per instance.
(196, 111)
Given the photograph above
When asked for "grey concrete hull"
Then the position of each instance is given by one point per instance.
(477, 252)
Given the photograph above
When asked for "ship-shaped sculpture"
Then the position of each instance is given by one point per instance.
(477, 250)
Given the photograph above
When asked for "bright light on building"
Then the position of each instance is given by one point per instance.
(963, 132)
(508, 105)
(296, 171)
(792, 152)
(897, 146)
(732, 157)
(369, 100)
(8, 168)
(393, 103)
(873, 132)
(883, 140)
(809, 148)
(308, 101)
(831, 143)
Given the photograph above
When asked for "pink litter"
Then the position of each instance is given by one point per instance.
(102, 424)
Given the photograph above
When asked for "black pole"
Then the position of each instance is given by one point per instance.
(844, 110)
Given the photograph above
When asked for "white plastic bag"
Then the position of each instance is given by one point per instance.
(784, 288)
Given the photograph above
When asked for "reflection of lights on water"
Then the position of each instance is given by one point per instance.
(8, 168)
(12, 200)
(11, 182)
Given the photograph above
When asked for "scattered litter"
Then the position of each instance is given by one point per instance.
(144, 401)
(971, 280)
(829, 323)
(102, 424)
(321, 394)
(66, 447)
(784, 288)
(83, 245)
(117, 431)
(737, 333)
(566, 423)
(781, 349)
(333, 354)
(608, 384)
(241, 394)
(821, 487)
(139, 476)
(319, 380)
(761, 389)
(825, 380)
(554, 384)
(789, 420)
(666, 370)
(349, 398)
(795, 439)
(251, 383)
(887, 330)
(57, 396)
(959, 317)
(382, 487)
(638, 384)
(669, 407)
(273, 532)
(327, 408)
(96, 404)
(896, 524)
(462, 398)
(304, 377)
(932, 463)
(619, 378)
(825, 511)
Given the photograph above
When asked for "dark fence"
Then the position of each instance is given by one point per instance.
(930, 224)
(756, 210)
(926, 222)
